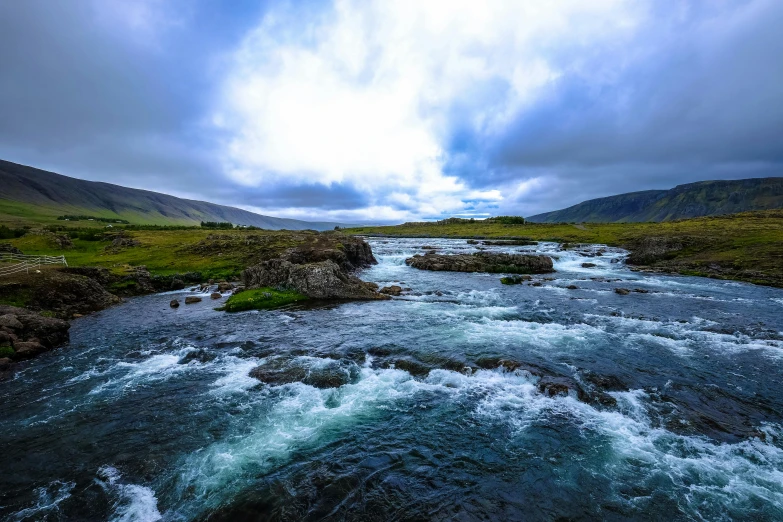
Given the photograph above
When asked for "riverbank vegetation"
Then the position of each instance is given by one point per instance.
(262, 299)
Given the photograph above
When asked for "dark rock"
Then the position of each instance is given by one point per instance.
(322, 377)
(588, 265)
(535, 283)
(641, 291)
(174, 303)
(622, 291)
(391, 290)
(28, 349)
(572, 287)
(5, 364)
(48, 331)
(177, 284)
(650, 250)
(483, 262)
(515, 279)
(10, 321)
(215, 295)
(349, 253)
(414, 368)
(225, 287)
(321, 280)
(191, 299)
(10, 249)
(605, 382)
(558, 386)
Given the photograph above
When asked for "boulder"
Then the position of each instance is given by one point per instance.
(559, 386)
(10, 321)
(5, 364)
(483, 262)
(192, 299)
(588, 265)
(28, 349)
(177, 284)
(225, 287)
(48, 331)
(622, 291)
(572, 287)
(641, 291)
(391, 290)
(215, 295)
(174, 303)
(321, 280)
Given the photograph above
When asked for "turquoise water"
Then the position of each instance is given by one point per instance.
(150, 413)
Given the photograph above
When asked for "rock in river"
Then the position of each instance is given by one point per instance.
(483, 262)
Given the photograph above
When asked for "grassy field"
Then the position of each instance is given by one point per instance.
(746, 246)
(219, 254)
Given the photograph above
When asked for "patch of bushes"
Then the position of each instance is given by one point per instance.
(507, 220)
(11, 233)
(262, 299)
(220, 225)
(6, 351)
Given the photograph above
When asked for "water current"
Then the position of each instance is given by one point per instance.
(406, 410)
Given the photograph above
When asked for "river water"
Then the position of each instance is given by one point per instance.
(150, 412)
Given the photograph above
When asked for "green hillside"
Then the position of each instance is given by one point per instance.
(33, 195)
(705, 198)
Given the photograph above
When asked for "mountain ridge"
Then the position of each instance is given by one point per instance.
(28, 190)
(690, 200)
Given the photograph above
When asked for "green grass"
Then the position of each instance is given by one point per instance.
(168, 252)
(6, 351)
(262, 299)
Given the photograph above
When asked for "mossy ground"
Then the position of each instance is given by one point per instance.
(6, 351)
(746, 246)
(262, 299)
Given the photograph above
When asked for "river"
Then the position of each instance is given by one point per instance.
(150, 412)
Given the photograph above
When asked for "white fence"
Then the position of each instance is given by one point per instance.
(14, 263)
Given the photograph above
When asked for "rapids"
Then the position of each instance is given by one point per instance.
(150, 413)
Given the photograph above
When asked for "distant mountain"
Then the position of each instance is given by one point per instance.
(704, 198)
(27, 192)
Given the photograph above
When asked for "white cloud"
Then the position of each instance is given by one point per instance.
(361, 95)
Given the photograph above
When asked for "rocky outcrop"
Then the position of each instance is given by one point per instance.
(25, 334)
(61, 293)
(192, 300)
(319, 280)
(349, 253)
(483, 262)
(649, 250)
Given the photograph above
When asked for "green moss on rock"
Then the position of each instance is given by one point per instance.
(262, 299)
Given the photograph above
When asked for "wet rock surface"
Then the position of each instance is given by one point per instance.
(319, 280)
(483, 262)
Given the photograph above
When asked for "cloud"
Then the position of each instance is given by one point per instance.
(392, 111)
(361, 94)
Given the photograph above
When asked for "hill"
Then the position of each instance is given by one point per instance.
(30, 194)
(704, 198)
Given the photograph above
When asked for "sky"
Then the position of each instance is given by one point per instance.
(371, 111)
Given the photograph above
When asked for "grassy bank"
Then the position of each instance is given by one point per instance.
(746, 247)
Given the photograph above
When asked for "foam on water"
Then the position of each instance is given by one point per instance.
(131, 502)
(47, 501)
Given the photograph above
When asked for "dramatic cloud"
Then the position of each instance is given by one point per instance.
(390, 111)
